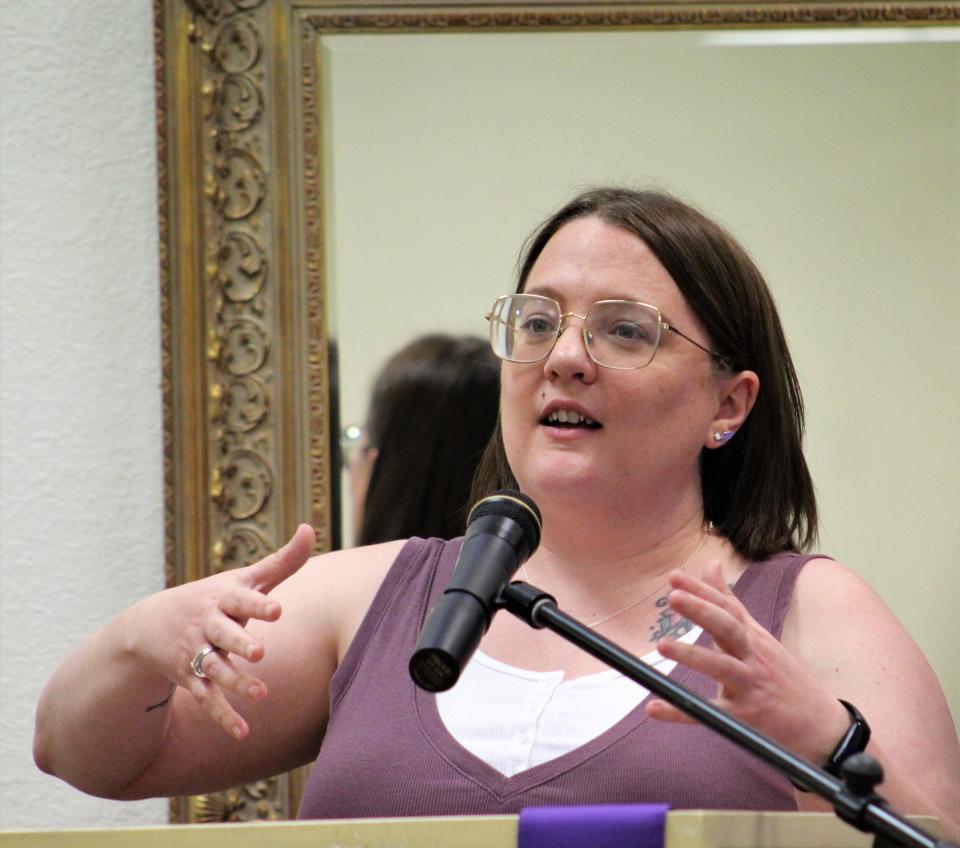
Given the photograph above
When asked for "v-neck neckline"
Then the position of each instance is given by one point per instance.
(500, 785)
(503, 786)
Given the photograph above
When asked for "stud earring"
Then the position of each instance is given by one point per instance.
(724, 437)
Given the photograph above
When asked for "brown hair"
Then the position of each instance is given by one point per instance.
(432, 410)
(757, 489)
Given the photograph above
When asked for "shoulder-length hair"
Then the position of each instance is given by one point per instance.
(432, 409)
(757, 489)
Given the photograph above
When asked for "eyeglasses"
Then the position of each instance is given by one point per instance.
(622, 334)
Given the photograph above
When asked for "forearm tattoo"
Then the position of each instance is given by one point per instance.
(669, 624)
(165, 701)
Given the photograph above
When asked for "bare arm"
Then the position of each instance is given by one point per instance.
(855, 647)
(124, 716)
(839, 641)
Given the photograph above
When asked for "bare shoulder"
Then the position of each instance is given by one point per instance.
(827, 588)
(348, 569)
(333, 591)
(835, 613)
(842, 630)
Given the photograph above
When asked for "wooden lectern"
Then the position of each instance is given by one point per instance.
(685, 829)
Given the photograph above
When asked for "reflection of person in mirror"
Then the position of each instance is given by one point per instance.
(650, 407)
(432, 411)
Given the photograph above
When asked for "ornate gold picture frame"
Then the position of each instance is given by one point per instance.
(250, 419)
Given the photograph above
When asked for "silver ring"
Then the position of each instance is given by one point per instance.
(196, 664)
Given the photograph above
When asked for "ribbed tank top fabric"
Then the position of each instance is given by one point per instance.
(387, 753)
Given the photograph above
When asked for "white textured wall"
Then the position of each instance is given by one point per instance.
(80, 404)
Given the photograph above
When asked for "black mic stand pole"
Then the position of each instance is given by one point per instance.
(853, 797)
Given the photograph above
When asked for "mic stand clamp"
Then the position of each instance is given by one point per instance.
(853, 798)
(861, 773)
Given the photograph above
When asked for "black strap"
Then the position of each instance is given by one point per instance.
(854, 741)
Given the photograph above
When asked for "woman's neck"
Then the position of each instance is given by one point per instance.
(592, 566)
(577, 525)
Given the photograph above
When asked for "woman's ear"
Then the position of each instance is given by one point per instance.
(738, 393)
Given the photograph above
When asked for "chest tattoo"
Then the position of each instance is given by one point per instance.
(669, 624)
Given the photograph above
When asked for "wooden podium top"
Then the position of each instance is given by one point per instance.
(685, 829)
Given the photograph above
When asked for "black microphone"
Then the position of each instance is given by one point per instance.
(503, 530)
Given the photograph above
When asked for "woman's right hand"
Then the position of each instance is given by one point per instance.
(170, 628)
(124, 716)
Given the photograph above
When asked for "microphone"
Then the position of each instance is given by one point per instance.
(503, 530)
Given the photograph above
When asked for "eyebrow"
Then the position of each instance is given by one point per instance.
(543, 291)
(549, 291)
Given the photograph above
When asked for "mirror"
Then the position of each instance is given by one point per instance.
(344, 179)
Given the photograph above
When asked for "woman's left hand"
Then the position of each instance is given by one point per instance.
(759, 681)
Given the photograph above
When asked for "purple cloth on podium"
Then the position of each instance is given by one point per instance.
(593, 826)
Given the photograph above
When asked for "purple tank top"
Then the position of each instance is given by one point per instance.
(387, 753)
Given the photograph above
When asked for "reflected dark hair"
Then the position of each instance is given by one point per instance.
(757, 488)
(432, 410)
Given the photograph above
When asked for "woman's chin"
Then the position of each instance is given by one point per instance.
(561, 483)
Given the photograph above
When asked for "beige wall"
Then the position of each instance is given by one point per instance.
(836, 164)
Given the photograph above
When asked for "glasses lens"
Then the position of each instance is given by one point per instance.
(523, 327)
(622, 334)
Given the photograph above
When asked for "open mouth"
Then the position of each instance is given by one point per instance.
(568, 419)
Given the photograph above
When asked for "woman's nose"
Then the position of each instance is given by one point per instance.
(569, 357)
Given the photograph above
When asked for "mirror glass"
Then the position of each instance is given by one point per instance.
(831, 154)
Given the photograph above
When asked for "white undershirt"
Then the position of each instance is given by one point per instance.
(514, 719)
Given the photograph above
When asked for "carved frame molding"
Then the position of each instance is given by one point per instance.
(248, 425)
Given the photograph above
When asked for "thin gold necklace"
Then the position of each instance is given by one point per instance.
(604, 619)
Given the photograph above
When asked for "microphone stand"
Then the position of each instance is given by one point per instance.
(853, 798)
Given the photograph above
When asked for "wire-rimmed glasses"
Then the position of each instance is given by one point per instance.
(621, 334)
